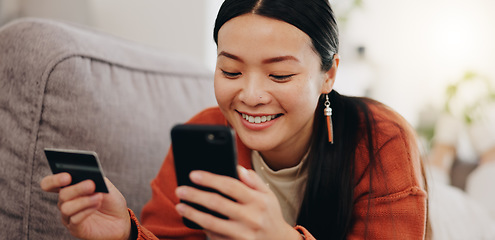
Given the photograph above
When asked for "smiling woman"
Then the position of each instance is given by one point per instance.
(277, 61)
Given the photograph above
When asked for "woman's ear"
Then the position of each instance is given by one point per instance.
(330, 75)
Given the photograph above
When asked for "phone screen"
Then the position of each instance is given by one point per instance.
(203, 147)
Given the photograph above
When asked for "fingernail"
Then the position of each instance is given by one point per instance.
(180, 192)
(243, 171)
(195, 176)
(65, 178)
(180, 208)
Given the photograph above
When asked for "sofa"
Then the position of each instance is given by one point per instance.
(68, 86)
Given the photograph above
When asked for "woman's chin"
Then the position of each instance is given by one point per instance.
(258, 143)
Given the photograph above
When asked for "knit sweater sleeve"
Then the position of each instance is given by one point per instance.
(140, 232)
(390, 198)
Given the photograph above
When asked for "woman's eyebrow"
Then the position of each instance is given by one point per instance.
(280, 59)
(265, 61)
(231, 56)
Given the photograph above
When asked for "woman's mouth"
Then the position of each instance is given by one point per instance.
(259, 119)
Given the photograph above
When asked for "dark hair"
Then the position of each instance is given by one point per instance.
(314, 17)
(328, 201)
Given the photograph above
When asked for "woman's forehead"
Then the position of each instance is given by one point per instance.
(250, 33)
(253, 23)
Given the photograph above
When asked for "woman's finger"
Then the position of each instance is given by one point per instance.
(240, 191)
(244, 193)
(205, 220)
(215, 236)
(224, 184)
(251, 179)
(215, 228)
(210, 200)
(76, 210)
(53, 183)
(83, 188)
(80, 216)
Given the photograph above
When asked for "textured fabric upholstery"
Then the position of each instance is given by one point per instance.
(64, 86)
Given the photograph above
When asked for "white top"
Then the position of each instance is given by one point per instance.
(456, 214)
(288, 184)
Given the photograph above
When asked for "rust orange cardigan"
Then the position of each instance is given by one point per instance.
(398, 197)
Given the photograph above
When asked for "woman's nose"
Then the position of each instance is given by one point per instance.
(254, 93)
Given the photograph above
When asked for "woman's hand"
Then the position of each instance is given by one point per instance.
(89, 215)
(255, 215)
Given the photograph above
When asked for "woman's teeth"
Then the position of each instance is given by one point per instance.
(258, 119)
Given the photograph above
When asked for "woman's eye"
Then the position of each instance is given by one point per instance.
(282, 77)
(230, 74)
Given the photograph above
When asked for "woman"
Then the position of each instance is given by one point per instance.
(277, 62)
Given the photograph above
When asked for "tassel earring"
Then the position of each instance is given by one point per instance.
(328, 115)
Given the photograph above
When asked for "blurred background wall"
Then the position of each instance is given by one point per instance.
(401, 52)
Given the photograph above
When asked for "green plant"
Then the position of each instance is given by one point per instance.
(468, 97)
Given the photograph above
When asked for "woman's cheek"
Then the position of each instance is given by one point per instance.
(224, 92)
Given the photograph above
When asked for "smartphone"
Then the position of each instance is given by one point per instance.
(81, 165)
(210, 148)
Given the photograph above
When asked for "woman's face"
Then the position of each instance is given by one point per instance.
(268, 80)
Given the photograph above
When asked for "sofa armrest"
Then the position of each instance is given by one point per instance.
(67, 86)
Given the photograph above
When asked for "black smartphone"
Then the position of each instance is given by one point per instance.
(210, 148)
(81, 165)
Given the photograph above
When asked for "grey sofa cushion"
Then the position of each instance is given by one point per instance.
(64, 86)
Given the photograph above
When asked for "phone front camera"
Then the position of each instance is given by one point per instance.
(211, 137)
